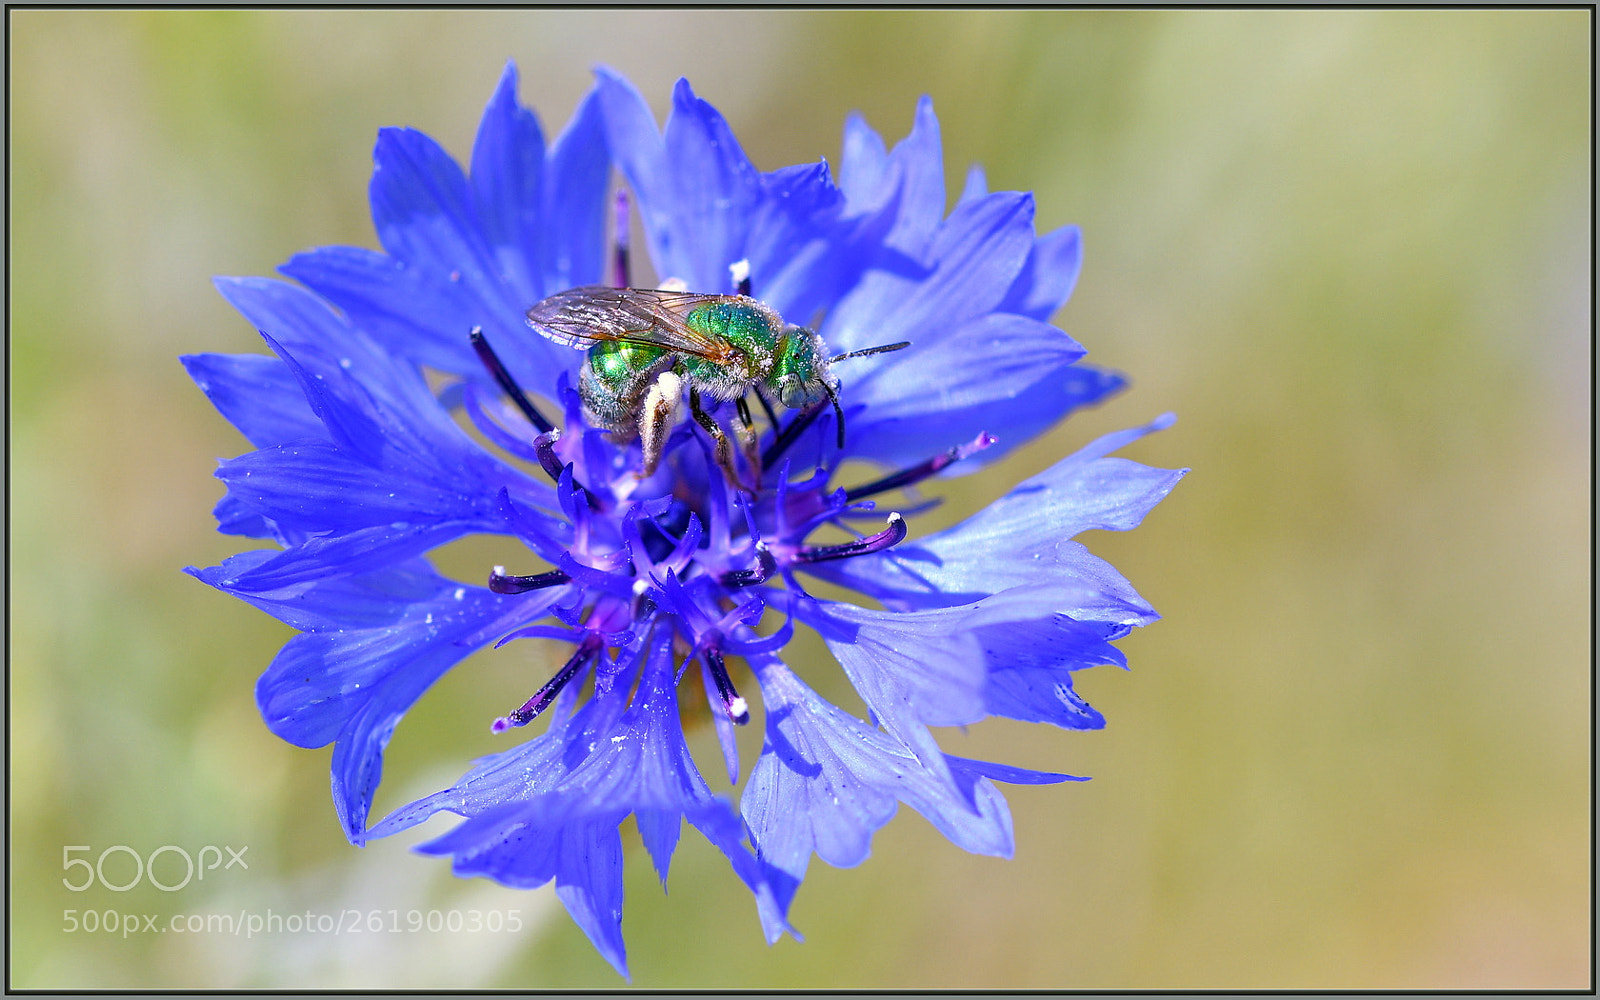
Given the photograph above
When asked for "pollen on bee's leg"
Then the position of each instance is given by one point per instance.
(660, 402)
(738, 709)
(544, 696)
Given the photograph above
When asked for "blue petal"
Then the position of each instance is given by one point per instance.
(968, 769)
(1030, 652)
(234, 518)
(714, 188)
(976, 187)
(322, 678)
(577, 178)
(639, 765)
(863, 164)
(446, 275)
(363, 550)
(426, 215)
(348, 364)
(641, 154)
(508, 183)
(695, 187)
(406, 309)
(353, 683)
(257, 394)
(513, 846)
(354, 602)
(799, 258)
(589, 885)
(319, 487)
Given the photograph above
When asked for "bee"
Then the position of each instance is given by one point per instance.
(646, 345)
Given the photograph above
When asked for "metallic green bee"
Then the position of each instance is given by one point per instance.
(646, 345)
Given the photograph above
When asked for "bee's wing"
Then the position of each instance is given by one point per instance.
(579, 317)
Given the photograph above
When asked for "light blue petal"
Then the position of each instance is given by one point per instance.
(863, 165)
(1048, 276)
(589, 885)
(975, 256)
(919, 666)
(977, 185)
(1022, 540)
(826, 782)
(991, 374)
(911, 178)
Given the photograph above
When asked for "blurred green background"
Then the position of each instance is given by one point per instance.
(1350, 248)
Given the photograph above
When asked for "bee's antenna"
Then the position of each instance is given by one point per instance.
(833, 398)
(881, 349)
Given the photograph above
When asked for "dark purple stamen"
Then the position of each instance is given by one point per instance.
(545, 446)
(502, 584)
(765, 567)
(547, 694)
(893, 535)
(738, 711)
(492, 362)
(917, 473)
(621, 274)
(788, 435)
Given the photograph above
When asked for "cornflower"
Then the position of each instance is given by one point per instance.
(406, 404)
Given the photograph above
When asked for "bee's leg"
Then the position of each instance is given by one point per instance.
(724, 453)
(772, 415)
(655, 418)
(747, 436)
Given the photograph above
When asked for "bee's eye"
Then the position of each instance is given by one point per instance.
(792, 391)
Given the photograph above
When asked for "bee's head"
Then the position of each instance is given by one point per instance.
(800, 374)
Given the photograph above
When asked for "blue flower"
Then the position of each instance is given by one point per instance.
(364, 463)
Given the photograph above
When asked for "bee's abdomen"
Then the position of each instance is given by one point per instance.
(615, 377)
